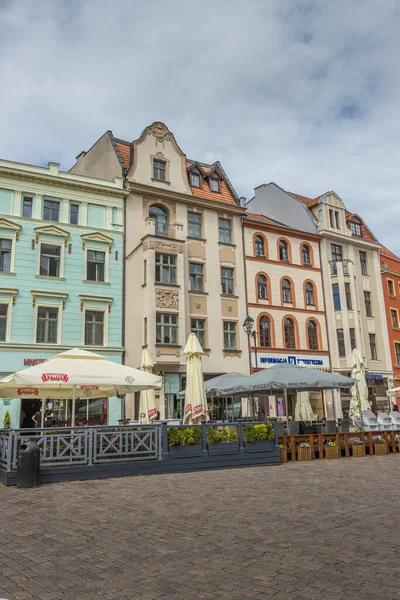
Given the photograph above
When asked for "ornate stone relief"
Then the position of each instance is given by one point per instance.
(160, 132)
(167, 299)
(162, 247)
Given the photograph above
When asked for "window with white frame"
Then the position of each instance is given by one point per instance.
(196, 277)
(5, 255)
(74, 213)
(195, 180)
(3, 322)
(94, 327)
(47, 325)
(198, 327)
(214, 184)
(225, 231)
(27, 203)
(230, 342)
(194, 225)
(165, 268)
(227, 281)
(50, 260)
(159, 170)
(95, 265)
(51, 210)
(166, 328)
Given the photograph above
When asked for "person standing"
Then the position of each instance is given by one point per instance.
(37, 418)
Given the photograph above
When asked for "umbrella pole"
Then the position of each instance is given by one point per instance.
(73, 405)
(42, 418)
(286, 407)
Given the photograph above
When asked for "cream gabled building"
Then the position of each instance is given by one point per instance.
(184, 266)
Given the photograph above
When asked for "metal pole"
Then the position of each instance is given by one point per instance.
(42, 419)
(255, 348)
(285, 395)
(73, 405)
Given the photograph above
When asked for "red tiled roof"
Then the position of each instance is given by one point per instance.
(260, 218)
(307, 201)
(366, 234)
(224, 195)
(388, 254)
(125, 152)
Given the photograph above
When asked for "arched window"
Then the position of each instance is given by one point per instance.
(283, 251)
(305, 254)
(309, 290)
(264, 323)
(290, 340)
(262, 291)
(259, 246)
(160, 215)
(286, 291)
(312, 335)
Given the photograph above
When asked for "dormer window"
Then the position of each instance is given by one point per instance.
(355, 227)
(214, 184)
(195, 180)
(159, 168)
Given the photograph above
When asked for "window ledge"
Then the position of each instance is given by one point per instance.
(229, 296)
(200, 293)
(159, 283)
(161, 181)
(227, 244)
(96, 282)
(168, 345)
(228, 351)
(7, 273)
(51, 277)
(198, 239)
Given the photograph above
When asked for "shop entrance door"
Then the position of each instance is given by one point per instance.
(29, 407)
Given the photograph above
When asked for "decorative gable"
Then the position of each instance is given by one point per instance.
(10, 226)
(51, 230)
(97, 236)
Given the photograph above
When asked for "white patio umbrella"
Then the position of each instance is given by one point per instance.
(147, 405)
(196, 408)
(359, 391)
(76, 374)
(303, 410)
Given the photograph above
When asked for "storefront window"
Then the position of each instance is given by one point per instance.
(87, 412)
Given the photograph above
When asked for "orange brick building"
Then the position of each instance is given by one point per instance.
(390, 267)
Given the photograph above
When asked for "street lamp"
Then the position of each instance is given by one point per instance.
(248, 328)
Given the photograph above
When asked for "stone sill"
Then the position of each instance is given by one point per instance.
(227, 244)
(229, 296)
(50, 277)
(168, 345)
(173, 285)
(191, 237)
(198, 292)
(96, 282)
(7, 273)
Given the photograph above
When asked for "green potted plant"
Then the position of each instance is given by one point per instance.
(331, 450)
(304, 452)
(7, 420)
(184, 441)
(358, 448)
(259, 437)
(380, 446)
(222, 440)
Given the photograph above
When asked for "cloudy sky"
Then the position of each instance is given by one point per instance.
(303, 93)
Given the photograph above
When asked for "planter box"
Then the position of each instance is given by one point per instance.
(358, 450)
(332, 452)
(304, 454)
(380, 449)
(189, 451)
(223, 448)
(283, 455)
(264, 446)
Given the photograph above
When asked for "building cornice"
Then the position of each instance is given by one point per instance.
(349, 239)
(60, 182)
(58, 348)
(262, 225)
(147, 190)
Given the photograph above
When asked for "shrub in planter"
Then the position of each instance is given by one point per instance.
(259, 437)
(7, 420)
(283, 451)
(222, 441)
(331, 451)
(304, 452)
(185, 442)
(358, 449)
(380, 446)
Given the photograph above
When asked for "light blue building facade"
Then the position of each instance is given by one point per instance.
(61, 277)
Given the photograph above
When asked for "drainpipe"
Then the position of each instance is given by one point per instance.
(245, 286)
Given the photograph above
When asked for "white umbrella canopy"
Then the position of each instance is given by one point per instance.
(85, 373)
(303, 410)
(196, 409)
(359, 391)
(147, 405)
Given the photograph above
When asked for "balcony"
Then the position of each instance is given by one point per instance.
(335, 266)
(162, 229)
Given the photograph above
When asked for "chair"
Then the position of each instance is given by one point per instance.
(384, 421)
(370, 421)
(395, 418)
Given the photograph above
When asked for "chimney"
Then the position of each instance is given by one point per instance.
(80, 155)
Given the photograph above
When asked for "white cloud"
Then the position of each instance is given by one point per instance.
(301, 93)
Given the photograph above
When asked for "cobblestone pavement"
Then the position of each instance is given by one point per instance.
(326, 530)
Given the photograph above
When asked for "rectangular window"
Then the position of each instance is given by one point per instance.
(337, 256)
(47, 325)
(94, 328)
(95, 267)
(5, 255)
(195, 180)
(227, 280)
(51, 210)
(225, 231)
(27, 207)
(196, 277)
(372, 345)
(355, 228)
(74, 213)
(336, 296)
(3, 322)
(340, 339)
(166, 328)
(159, 168)
(391, 287)
(331, 221)
(368, 305)
(352, 337)
(214, 184)
(229, 335)
(165, 268)
(194, 225)
(198, 326)
(50, 260)
(347, 289)
(397, 350)
(363, 262)
(337, 220)
(395, 318)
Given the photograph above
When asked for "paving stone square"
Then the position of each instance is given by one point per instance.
(320, 530)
